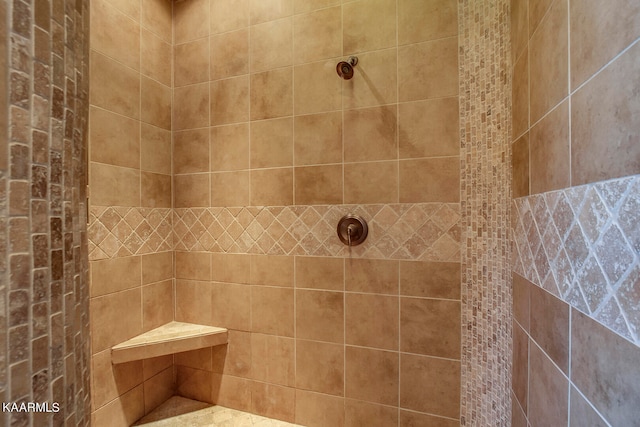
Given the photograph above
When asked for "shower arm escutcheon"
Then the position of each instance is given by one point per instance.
(352, 230)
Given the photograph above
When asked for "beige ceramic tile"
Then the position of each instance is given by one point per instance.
(272, 187)
(273, 359)
(410, 418)
(191, 190)
(155, 57)
(520, 366)
(315, 409)
(229, 15)
(229, 54)
(429, 70)
(372, 375)
(191, 151)
(236, 357)
(155, 190)
(156, 17)
(114, 186)
(372, 321)
(374, 82)
(548, 390)
(271, 45)
(131, 9)
(430, 180)
(520, 167)
(428, 128)
(359, 413)
(549, 151)
(229, 147)
(368, 25)
(520, 95)
(430, 279)
(550, 313)
(116, 318)
(110, 381)
(318, 185)
(318, 139)
(601, 112)
(194, 384)
(317, 35)
(320, 273)
(157, 308)
(320, 367)
(112, 275)
(519, 28)
(269, 10)
(537, 10)
(232, 392)
(158, 389)
(193, 302)
(120, 92)
(273, 401)
(191, 62)
(316, 88)
(157, 266)
(191, 107)
(230, 100)
(198, 359)
(423, 20)
(370, 134)
(371, 276)
(371, 182)
(430, 327)
(230, 188)
(271, 143)
(104, 18)
(231, 308)
(320, 316)
(430, 385)
(193, 265)
(581, 412)
(272, 94)
(156, 103)
(114, 139)
(191, 20)
(155, 149)
(125, 410)
(230, 268)
(272, 310)
(549, 64)
(598, 33)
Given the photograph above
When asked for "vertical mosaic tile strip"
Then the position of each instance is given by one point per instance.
(46, 285)
(485, 122)
(582, 244)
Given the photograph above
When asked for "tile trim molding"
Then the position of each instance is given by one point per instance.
(582, 244)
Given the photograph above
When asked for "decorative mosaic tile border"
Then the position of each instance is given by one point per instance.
(124, 231)
(422, 231)
(485, 128)
(582, 244)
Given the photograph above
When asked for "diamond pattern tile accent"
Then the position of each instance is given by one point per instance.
(423, 231)
(587, 239)
(117, 231)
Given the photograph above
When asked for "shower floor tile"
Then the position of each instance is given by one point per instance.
(179, 411)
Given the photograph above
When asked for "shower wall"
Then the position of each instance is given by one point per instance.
(576, 264)
(130, 237)
(271, 148)
(44, 299)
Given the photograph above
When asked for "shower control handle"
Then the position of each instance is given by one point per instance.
(352, 230)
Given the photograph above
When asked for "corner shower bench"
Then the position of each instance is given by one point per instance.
(172, 337)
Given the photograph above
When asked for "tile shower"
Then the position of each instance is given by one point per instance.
(222, 150)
